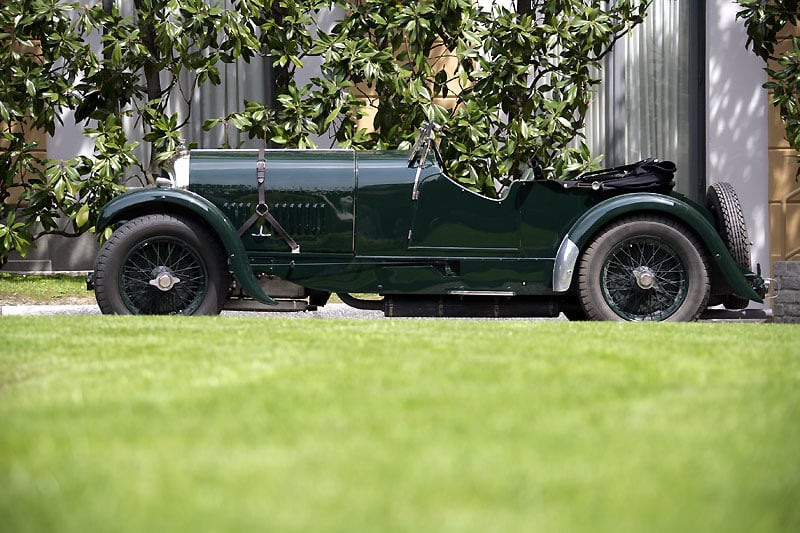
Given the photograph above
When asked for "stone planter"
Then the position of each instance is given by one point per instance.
(786, 305)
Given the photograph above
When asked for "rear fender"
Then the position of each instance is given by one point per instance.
(160, 200)
(591, 222)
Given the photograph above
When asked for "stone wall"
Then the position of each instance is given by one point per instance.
(786, 306)
(54, 253)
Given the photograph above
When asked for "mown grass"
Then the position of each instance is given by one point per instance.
(22, 289)
(272, 424)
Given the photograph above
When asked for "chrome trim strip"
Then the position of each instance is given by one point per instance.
(564, 266)
(482, 293)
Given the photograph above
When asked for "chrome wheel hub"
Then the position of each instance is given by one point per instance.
(163, 279)
(645, 277)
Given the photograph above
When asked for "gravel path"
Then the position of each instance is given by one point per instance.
(329, 311)
(336, 310)
(345, 311)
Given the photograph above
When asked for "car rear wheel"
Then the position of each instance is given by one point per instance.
(160, 265)
(722, 201)
(644, 268)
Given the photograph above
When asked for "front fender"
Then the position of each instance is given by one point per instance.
(587, 226)
(161, 200)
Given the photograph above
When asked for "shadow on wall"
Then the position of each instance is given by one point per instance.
(57, 254)
(736, 128)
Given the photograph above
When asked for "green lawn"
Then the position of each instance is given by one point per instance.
(271, 424)
(20, 289)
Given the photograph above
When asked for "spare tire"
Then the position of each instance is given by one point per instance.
(722, 201)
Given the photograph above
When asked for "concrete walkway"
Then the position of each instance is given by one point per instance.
(37, 310)
(345, 311)
(329, 311)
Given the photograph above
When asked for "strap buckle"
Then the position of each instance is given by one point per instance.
(262, 214)
(261, 169)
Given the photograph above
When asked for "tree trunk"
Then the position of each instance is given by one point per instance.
(152, 74)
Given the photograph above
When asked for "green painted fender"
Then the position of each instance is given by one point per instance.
(587, 226)
(159, 200)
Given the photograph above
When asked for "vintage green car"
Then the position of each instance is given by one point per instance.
(283, 229)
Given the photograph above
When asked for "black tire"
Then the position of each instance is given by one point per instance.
(644, 268)
(161, 265)
(722, 201)
(574, 312)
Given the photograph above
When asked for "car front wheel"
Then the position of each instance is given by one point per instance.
(644, 268)
(160, 265)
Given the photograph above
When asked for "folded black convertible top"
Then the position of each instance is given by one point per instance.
(644, 175)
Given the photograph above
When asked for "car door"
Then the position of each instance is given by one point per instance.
(450, 219)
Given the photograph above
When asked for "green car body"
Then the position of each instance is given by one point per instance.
(371, 222)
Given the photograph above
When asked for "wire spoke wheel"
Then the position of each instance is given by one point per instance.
(644, 279)
(163, 276)
(161, 265)
(644, 268)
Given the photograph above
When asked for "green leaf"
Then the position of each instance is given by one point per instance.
(210, 124)
(82, 217)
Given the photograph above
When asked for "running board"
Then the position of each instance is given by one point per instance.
(476, 306)
(248, 304)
